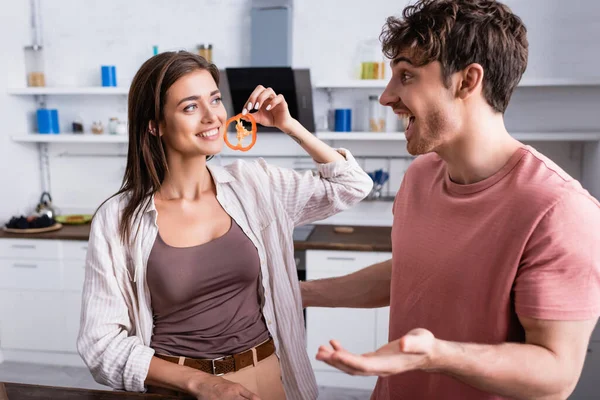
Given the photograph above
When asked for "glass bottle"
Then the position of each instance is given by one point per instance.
(376, 115)
(372, 60)
(34, 66)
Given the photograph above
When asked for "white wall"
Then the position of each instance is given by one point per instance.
(79, 36)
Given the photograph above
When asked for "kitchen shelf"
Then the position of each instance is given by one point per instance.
(381, 83)
(334, 84)
(361, 136)
(92, 90)
(525, 136)
(350, 136)
(70, 138)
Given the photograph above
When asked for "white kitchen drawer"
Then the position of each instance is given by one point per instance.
(30, 274)
(73, 274)
(72, 308)
(353, 328)
(382, 326)
(335, 263)
(337, 378)
(32, 321)
(29, 249)
(74, 249)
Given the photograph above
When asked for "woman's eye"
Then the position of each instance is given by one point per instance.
(191, 107)
(217, 100)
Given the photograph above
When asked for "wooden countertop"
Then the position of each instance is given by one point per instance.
(19, 391)
(67, 232)
(323, 237)
(363, 238)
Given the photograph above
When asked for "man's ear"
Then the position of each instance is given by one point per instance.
(470, 81)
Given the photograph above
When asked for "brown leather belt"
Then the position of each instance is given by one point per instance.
(224, 365)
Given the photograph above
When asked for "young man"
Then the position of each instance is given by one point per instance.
(494, 281)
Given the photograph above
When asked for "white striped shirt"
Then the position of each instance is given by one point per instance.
(267, 202)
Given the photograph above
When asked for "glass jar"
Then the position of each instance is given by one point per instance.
(112, 125)
(34, 66)
(376, 115)
(372, 65)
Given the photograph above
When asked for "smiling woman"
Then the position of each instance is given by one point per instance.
(168, 306)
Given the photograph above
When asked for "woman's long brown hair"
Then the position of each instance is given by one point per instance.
(146, 156)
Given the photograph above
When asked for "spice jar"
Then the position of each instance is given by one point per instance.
(376, 115)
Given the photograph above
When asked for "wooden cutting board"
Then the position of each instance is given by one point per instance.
(54, 227)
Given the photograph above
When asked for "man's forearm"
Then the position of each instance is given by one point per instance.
(520, 371)
(367, 288)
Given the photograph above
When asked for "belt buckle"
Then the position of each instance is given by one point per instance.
(214, 368)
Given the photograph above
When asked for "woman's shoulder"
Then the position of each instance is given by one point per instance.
(109, 212)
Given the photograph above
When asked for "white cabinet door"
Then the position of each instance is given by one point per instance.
(73, 275)
(72, 309)
(34, 274)
(32, 320)
(355, 329)
(588, 387)
(337, 263)
(29, 249)
(382, 323)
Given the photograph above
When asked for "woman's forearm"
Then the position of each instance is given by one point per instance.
(173, 376)
(317, 149)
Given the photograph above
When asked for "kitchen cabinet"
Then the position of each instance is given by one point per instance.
(40, 299)
(588, 387)
(358, 330)
(32, 321)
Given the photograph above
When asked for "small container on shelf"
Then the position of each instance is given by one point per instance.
(78, 125)
(112, 125)
(205, 51)
(47, 121)
(34, 65)
(376, 115)
(97, 128)
(372, 61)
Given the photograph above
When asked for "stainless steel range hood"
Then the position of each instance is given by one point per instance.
(271, 56)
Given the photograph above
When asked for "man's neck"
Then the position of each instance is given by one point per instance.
(479, 151)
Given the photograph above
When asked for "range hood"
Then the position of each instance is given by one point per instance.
(271, 55)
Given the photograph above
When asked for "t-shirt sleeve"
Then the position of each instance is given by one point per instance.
(559, 273)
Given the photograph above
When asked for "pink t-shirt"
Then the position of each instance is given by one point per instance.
(468, 259)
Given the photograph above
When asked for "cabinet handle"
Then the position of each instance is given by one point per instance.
(23, 246)
(25, 265)
(341, 258)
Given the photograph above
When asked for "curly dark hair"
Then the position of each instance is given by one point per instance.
(461, 32)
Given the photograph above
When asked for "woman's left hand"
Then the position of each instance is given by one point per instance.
(272, 109)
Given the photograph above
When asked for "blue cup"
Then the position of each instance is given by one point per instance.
(109, 75)
(343, 120)
(47, 121)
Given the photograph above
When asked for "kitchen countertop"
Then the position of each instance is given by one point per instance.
(323, 237)
(19, 391)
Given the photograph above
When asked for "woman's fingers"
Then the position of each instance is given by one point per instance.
(263, 97)
(274, 102)
(252, 99)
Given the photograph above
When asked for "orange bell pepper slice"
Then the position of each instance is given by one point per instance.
(241, 132)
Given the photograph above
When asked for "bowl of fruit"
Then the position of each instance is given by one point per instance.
(32, 224)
